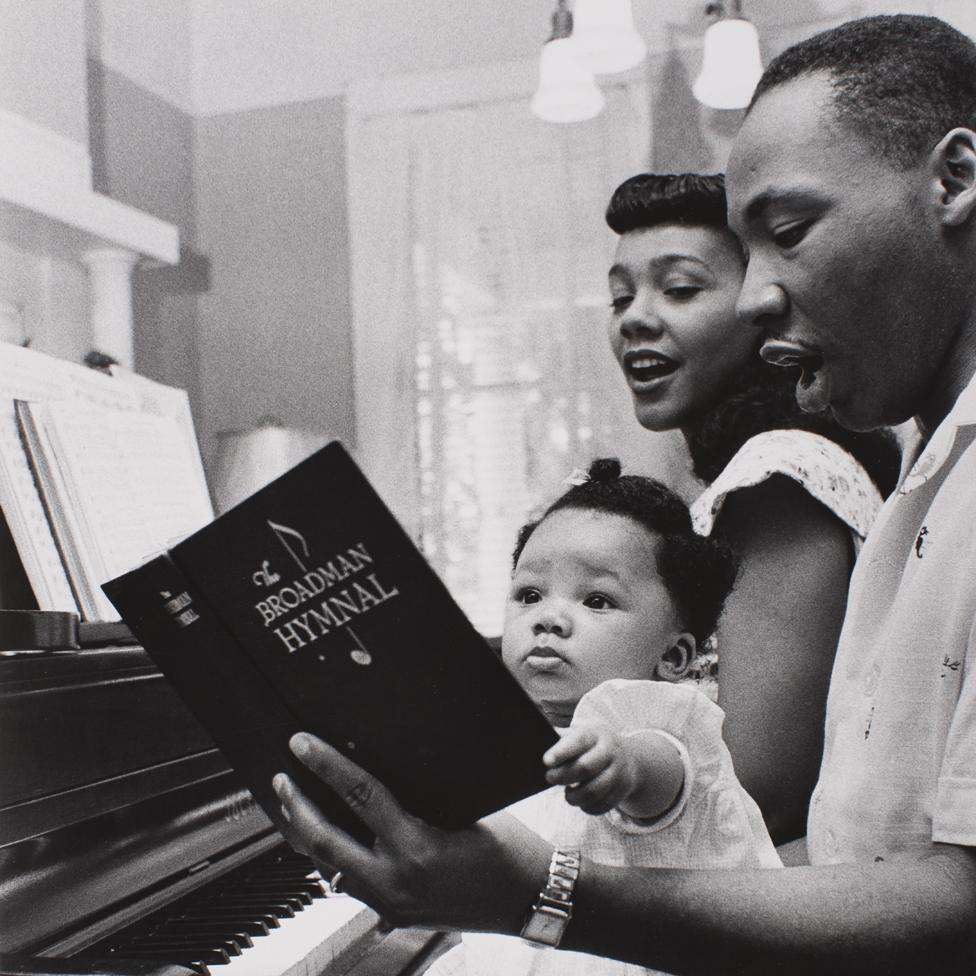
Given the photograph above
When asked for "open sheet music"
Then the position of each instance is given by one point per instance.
(97, 472)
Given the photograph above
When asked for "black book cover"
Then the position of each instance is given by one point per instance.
(307, 607)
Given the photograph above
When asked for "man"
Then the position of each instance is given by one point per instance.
(853, 189)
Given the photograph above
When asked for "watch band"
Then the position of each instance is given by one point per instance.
(546, 923)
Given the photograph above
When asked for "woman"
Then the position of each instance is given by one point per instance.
(794, 492)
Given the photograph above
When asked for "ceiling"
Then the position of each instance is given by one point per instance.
(211, 56)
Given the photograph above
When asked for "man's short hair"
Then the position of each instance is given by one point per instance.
(901, 81)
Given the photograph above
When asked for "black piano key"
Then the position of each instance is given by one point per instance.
(210, 957)
(216, 926)
(216, 935)
(188, 946)
(243, 925)
(164, 965)
(299, 872)
(221, 911)
(184, 945)
(290, 893)
(278, 907)
(228, 912)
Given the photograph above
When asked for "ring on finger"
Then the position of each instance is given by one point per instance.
(334, 883)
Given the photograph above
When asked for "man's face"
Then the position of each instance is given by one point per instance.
(846, 273)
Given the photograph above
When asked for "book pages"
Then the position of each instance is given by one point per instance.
(119, 486)
(166, 401)
(125, 430)
(27, 375)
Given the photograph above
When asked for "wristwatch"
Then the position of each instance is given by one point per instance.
(553, 909)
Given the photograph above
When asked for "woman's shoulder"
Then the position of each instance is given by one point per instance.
(819, 465)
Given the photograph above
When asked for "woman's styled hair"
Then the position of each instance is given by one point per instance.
(649, 199)
(901, 82)
(697, 571)
(760, 396)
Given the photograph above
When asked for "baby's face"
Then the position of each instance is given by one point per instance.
(585, 605)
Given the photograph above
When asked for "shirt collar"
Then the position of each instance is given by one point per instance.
(934, 454)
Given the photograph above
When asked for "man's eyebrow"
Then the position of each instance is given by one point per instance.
(758, 205)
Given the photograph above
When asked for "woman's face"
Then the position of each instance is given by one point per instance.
(673, 330)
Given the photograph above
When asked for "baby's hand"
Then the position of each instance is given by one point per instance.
(593, 765)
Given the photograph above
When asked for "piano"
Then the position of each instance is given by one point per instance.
(127, 846)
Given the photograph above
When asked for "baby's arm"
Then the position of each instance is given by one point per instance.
(641, 774)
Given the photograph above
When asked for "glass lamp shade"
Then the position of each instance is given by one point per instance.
(567, 91)
(604, 32)
(731, 65)
(249, 459)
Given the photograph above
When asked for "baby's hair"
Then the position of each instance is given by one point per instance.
(697, 571)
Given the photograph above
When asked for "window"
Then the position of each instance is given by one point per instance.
(479, 265)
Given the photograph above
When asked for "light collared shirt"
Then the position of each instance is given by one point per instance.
(899, 766)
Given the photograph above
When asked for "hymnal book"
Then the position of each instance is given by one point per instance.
(307, 607)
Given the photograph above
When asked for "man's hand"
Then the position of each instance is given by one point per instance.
(482, 877)
(595, 767)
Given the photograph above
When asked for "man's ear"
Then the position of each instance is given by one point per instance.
(954, 173)
(676, 661)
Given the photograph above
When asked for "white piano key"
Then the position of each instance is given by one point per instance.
(305, 944)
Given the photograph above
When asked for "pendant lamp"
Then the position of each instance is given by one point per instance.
(605, 35)
(567, 91)
(731, 65)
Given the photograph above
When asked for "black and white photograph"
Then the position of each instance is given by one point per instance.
(487, 487)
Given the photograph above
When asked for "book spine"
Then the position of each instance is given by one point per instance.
(219, 682)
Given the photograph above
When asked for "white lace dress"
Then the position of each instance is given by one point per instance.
(820, 466)
(823, 468)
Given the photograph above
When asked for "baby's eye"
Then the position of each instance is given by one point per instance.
(599, 601)
(620, 302)
(526, 595)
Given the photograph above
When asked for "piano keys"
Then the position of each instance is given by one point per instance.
(126, 842)
(272, 915)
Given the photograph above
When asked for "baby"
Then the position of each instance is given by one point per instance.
(612, 593)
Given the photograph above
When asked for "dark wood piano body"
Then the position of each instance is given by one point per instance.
(114, 803)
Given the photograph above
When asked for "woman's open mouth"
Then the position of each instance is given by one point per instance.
(643, 368)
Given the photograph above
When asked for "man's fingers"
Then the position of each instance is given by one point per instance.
(310, 833)
(365, 795)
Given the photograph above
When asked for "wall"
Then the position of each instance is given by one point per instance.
(42, 64)
(275, 319)
(42, 79)
(142, 150)
(255, 321)
(688, 136)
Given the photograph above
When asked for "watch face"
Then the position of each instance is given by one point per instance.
(550, 914)
(545, 928)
